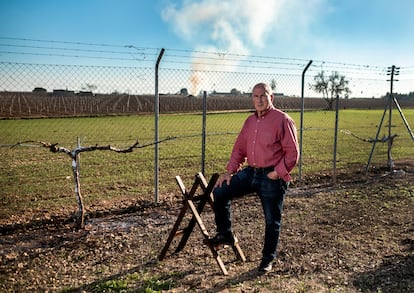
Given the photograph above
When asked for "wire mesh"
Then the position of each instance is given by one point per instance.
(114, 104)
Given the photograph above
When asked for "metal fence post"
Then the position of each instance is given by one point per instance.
(156, 139)
(203, 134)
(302, 110)
(335, 139)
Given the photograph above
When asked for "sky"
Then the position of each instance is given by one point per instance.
(369, 32)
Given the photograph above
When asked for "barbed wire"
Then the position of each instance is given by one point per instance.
(243, 64)
(252, 58)
(179, 56)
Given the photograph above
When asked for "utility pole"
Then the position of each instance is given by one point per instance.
(392, 71)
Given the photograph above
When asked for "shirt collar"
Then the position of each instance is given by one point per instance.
(265, 113)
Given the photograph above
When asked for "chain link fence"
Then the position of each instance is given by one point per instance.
(83, 105)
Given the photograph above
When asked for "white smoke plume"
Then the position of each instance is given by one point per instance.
(234, 26)
(228, 25)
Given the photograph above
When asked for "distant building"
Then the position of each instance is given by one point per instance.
(233, 92)
(86, 94)
(40, 90)
(63, 93)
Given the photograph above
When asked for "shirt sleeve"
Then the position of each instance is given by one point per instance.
(290, 148)
(238, 154)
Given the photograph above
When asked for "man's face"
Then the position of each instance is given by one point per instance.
(261, 99)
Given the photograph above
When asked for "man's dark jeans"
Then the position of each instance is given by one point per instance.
(271, 193)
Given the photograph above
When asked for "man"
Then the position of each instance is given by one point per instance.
(268, 144)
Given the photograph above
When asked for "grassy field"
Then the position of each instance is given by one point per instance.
(32, 177)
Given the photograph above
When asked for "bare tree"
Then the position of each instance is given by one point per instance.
(330, 86)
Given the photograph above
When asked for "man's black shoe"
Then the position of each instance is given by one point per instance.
(220, 238)
(265, 267)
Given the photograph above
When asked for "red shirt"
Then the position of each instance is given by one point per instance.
(269, 140)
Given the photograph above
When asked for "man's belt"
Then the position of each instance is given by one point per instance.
(262, 169)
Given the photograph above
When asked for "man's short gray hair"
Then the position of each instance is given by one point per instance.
(264, 86)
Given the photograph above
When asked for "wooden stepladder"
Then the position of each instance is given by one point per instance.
(190, 201)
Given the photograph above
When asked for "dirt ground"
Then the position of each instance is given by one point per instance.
(357, 236)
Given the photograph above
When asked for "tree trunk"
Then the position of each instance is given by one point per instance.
(80, 219)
